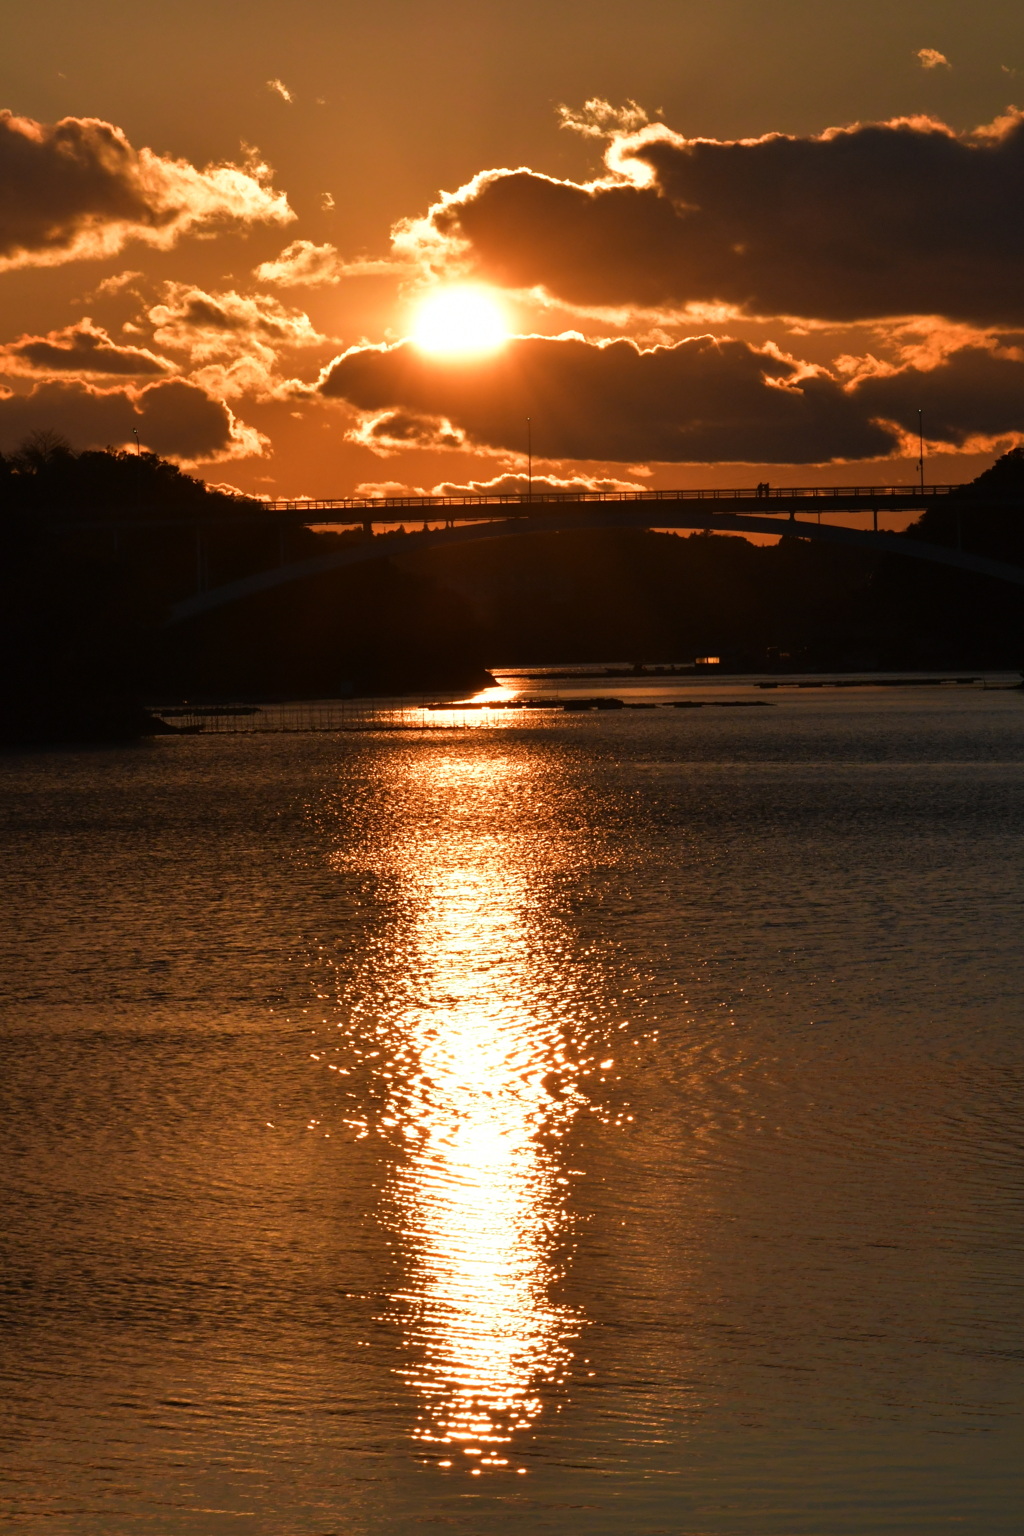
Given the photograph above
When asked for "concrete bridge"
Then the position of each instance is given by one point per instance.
(794, 512)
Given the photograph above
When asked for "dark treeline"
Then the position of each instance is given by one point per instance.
(993, 530)
(57, 505)
(44, 476)
(83, 607)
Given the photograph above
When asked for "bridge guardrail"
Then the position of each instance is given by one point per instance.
(721, 501)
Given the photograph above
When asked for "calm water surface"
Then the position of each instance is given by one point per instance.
(607, 1125)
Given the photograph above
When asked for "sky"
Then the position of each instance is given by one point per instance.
(326, 250)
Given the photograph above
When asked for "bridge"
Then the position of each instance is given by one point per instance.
(769, 498)
(793, 512)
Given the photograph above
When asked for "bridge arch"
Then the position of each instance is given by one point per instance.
(581, 517)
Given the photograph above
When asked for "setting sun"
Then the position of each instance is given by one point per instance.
(460, 321)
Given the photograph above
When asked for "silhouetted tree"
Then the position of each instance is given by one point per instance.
(993, 530)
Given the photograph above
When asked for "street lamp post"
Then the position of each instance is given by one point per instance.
(529, 459)
(920, 448)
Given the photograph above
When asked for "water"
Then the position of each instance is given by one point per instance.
(607, 1125)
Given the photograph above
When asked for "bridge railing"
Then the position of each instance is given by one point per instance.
(761, 496)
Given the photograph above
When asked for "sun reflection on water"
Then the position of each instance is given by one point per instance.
(477, 1199)
(478, 1021)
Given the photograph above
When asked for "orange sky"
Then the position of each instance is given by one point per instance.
(226, 240)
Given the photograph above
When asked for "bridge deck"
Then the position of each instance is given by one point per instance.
(769, 499)
(698, 508)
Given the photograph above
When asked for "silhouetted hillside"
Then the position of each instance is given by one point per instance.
(46, 477)
(996, 531)
(83, 608)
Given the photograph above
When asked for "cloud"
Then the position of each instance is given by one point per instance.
(598, 119)
(280, 89)
(113, 284)
(521, 485)
(700, 401)
(378, 489)
(302, 265)
(391, 431)
(861, 223)
(209, 324)
(234, 339)
(931, 58)
(81, 348)
(922, 344)
(77, 190)
(973, 394)
(305, 265)
(175, 419)
(500, 485)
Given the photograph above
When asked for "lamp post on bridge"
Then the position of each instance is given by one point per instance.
(920, 476)
(529, 459)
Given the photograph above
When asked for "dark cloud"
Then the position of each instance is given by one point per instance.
(973, 393)
(176, 420)
(701, 401)
(393, 430)
(81, 348)
(78, 189)
(903, 218)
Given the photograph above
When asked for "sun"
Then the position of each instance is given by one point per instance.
(458, 322)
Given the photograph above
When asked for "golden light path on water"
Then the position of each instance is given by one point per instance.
(479, 1020)
(477, 1199)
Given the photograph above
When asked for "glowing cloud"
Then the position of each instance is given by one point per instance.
(305, 265)
(931, 58)
(78, 190)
